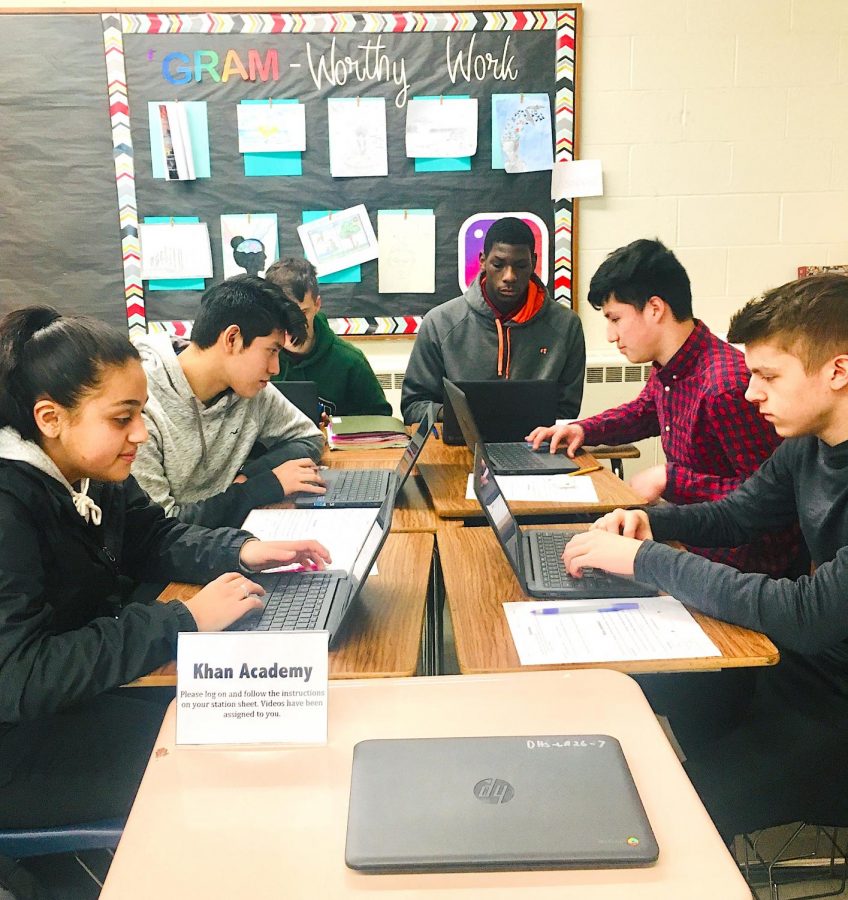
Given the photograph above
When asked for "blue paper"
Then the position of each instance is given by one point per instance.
(534, 151)
(351, 275)
(174, 284)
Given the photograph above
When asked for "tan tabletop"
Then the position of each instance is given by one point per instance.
(445, 470)
(270, 824)
(382, 637)
(478, 580)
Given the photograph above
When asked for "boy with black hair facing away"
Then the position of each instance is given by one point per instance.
(339, 369)
(505, 325)
(781, 757)
(211, 402)
(713, 438)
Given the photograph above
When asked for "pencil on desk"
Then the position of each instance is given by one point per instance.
(586, 470)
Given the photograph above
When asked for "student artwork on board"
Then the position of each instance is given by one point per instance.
(249, 243)
(438, 129)
(269, 127)
(522, 135)
(357, 137)
(339, 240)
(407, 243)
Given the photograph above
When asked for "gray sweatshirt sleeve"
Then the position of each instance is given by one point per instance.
(573, 373)
(229, 508)
(285, 432)
(807, 615)
(422, 383)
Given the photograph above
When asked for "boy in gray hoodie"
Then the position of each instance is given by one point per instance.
(504, 326)
(211, 402)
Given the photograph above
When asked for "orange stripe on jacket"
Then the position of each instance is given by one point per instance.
(532, 304)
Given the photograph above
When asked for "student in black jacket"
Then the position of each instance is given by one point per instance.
(76, 532)
(780, 756)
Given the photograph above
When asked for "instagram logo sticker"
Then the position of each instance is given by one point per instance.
(470, 243)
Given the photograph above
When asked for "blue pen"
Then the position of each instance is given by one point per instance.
(567, 611)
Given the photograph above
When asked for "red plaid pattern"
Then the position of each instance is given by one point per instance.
(713, 438)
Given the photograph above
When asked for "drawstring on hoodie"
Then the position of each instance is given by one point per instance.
(84, 505)
(532, 305)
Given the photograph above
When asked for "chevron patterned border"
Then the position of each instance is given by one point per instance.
(116, 25)
(566, 40)
(122, 151)
(346, 326)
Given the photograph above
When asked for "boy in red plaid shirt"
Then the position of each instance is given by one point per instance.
(713, 438)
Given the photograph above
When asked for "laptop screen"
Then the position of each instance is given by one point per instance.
(494, 505)
(367, 555)
(459, 404)
(413, 448)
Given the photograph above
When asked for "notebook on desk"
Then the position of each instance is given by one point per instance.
(506, 457)
(317, 601)
(369, 487)
(495, 803)
(536, 556)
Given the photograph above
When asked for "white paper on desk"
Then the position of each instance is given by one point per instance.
(577, 178)
(341, 531)
(659, 628)
(542, 488)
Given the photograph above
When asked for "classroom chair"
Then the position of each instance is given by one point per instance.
(28, 842)
(793, 862)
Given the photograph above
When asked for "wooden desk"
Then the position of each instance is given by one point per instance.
(445, 471)
(478, 580)
(220, 824)
(382, 638)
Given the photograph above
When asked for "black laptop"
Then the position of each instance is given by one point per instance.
(536, 556)
(507, 457)
(317, 601)
(303, 395)
(368, 487)
(478, 804)
(504, 411)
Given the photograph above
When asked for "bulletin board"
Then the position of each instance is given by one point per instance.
(221, 60)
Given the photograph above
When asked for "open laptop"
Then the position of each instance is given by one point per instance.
(368, 487)
(495, 803)
(507, 457)
(504, 410)
(536, 556)
(317, 601)
(303, 395)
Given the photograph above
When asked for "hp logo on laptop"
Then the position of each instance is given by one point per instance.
(494, 790)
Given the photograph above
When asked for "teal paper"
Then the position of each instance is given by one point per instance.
(198, 130)
(174, 284)
(279, 163)
(351, 275)
(443, 163)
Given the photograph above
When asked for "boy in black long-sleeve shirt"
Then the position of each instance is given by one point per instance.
(781, 755)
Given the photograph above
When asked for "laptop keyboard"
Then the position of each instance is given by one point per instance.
(520, 456)
(294, 604)
(553, 574)
(357, 485)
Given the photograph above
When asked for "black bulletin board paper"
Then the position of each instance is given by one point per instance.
(69, 245)
(59, 237)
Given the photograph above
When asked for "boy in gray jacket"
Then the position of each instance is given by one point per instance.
(505, 326)
(211, 402)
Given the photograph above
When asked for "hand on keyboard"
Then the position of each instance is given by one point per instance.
(223, 601)
(299, 476)
(600, 550)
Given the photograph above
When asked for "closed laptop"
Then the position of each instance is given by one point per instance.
(495, 803)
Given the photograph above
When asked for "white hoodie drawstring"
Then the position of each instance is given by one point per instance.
(85, 506)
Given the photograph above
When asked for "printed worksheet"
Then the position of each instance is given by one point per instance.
(542, 488)
(553, 632)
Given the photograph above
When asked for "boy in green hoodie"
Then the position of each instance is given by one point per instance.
(340, 370)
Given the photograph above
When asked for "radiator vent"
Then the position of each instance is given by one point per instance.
(616, 374)
(390, 381)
